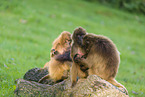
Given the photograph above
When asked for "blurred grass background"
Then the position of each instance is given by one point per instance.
(28, 28)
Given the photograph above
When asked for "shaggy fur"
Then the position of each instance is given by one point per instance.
(101, 58)
(60, 58)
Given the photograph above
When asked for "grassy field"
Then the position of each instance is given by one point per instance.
(28, 28)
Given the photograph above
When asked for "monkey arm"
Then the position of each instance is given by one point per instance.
(63, 57)
(81, 61)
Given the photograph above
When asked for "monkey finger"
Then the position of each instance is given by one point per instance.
(77, 56)
(77, 59)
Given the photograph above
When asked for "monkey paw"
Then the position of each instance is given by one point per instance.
(53, 52)
(83, 68)
(77, 58)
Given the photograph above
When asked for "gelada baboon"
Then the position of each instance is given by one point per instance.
(61, 47)
(76, 49)
(60, 58)
(101, 57)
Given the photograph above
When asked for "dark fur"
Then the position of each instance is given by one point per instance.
(78, 36)
(60, 61)
(63, 57)
(104, 48)
(102, 57)
(77, 68)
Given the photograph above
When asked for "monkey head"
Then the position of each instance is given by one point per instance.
(78, 35)
(65, 39)
(88, 40)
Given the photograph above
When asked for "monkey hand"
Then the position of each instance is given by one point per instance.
(77, 58)
(53, 52)
(84, 68)
(84, 56)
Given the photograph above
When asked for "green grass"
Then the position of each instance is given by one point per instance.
(24, 46)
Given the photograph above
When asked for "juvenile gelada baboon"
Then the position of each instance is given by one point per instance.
(76, 49)
(60, 58)
(101, 57)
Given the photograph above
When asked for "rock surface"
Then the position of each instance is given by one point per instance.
(93, 86)
(36, 74)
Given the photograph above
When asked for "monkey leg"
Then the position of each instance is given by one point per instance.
(74, 74)
(63, 73)
(56, 69)
(43, 78)
(115, 83)
(57, 74)
(77, 72)
(62, 78)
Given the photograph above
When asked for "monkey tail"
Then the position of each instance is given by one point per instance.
(43, 78)
(115, 83)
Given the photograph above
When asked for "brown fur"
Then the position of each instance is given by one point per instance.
(77, 69)
(57, 64)
(102, 58)
(62, 43)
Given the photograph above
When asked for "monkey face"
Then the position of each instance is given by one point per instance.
(79, 38)
(67, 43)
(78, 35)
(66, 39)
